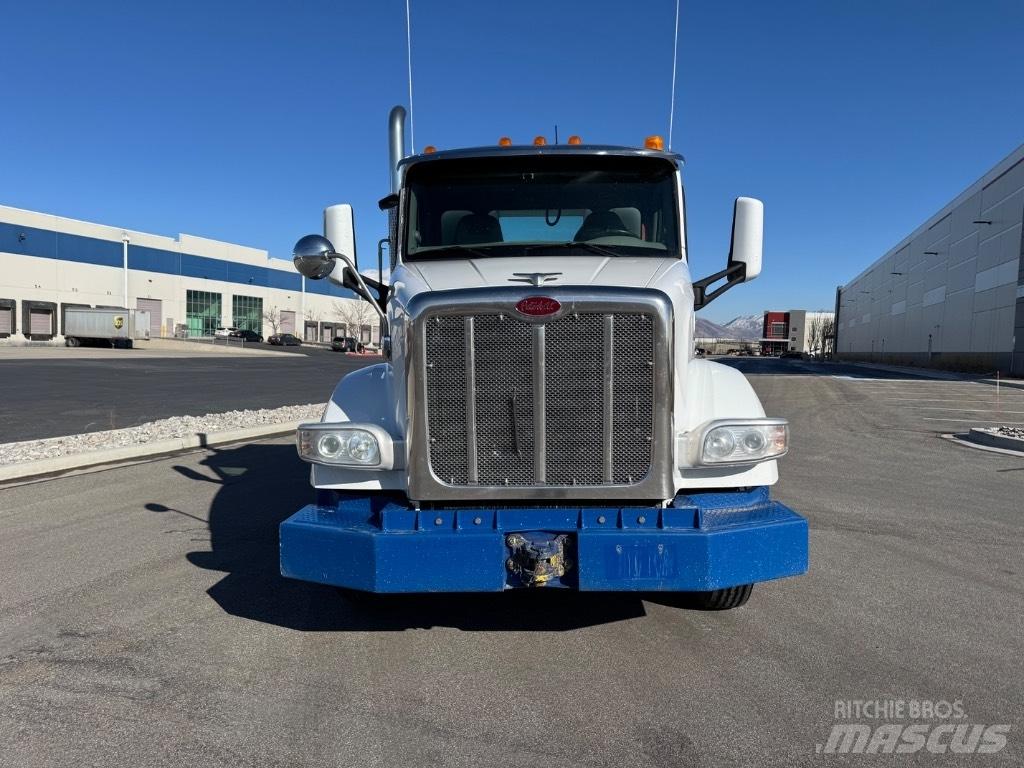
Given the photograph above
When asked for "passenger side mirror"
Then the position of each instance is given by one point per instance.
(747, 236)
(745, 251)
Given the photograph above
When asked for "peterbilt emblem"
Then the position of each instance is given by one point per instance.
(534, 278)
(118, 322)
(538, 306)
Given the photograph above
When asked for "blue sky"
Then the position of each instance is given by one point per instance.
(853, 121)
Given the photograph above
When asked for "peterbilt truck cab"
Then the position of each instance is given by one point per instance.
(539, 418)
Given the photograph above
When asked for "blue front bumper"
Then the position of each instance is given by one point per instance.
(700, 542)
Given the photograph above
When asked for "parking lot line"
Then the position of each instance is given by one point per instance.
(963, 410)
(974, 421)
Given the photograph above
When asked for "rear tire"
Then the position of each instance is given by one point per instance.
(720, 599)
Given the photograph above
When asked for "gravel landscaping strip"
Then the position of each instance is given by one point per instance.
(153, 431)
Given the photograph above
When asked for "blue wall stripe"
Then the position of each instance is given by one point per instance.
(47, 244)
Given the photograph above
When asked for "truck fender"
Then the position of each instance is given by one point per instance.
(364, 397)
(715, 391)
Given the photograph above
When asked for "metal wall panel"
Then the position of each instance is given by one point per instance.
(287, 321)
(155, 307)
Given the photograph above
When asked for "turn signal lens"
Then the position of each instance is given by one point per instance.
(574, 140)
(745, 442)
(429, 149)
(504, 141)
(654, 142)
(539, 141)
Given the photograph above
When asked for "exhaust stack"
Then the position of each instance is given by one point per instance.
(396, 144)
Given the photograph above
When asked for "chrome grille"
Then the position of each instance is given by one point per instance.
(568, 402)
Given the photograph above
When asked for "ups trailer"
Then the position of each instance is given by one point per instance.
(105, 327)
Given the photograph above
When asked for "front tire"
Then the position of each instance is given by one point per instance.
(720, 599)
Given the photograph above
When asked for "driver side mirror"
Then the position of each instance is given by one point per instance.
(313, 257)
(745, 252)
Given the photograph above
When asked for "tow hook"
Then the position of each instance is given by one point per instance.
(537, 559)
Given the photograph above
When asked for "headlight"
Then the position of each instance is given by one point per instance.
(353, 445)
(744, 442)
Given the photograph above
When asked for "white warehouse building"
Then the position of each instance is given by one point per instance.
(189, 285)
(951, 294)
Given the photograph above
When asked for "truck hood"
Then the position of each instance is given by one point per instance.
(621, 271)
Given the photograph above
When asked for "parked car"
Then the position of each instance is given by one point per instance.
(223, 333)
(246, 335)
(346, 344)
(793, 353)
(285, 340)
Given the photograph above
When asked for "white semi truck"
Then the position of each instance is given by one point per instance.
(540, 419)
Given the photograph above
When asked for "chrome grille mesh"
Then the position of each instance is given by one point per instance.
(563, 403)
(446, 398)
(574, 372)
(503, 352)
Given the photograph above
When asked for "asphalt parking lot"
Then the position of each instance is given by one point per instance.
(143, 622)
(75, 391)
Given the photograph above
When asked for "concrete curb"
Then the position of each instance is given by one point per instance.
(984, 436)
(929, 373)
(1012, 383)
(74, 461)
(922, 372)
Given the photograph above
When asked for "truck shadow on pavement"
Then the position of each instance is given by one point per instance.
(262, 484)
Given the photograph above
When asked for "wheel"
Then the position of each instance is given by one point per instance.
(719, 599)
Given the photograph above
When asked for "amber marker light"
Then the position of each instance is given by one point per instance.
(539, 141)
(654, 142)
(504, 141)
(574, 140)
(429, 149)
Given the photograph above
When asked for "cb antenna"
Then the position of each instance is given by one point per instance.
(408, 48)
(672, 103)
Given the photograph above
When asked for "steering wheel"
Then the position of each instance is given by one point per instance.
(613, 233)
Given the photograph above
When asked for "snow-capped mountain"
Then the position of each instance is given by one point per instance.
(708, 330)
(746, 326)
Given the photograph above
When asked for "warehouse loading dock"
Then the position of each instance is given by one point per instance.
(39, 320)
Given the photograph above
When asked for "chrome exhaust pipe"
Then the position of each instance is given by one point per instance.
(396, 144)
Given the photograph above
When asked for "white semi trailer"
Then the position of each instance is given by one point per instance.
(540, 418)
(105, 327)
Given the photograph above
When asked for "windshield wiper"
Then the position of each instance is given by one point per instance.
(592, 247)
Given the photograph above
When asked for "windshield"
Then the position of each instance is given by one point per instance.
(519, 205)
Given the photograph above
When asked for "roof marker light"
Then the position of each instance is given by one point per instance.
(429, 149)
(574, 140)
(539, 141)
(654, 142)
(504, 141)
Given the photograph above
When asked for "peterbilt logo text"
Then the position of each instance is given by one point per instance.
(537, 306)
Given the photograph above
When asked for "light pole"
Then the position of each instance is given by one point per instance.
(124, 260)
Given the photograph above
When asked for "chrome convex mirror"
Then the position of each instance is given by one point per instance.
(314, 257)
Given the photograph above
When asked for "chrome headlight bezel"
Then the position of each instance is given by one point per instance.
(308, 442)
(769, 429)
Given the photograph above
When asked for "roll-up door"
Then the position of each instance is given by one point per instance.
(287, 321)
(41, 322)
(6, 317)
(156, 314)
